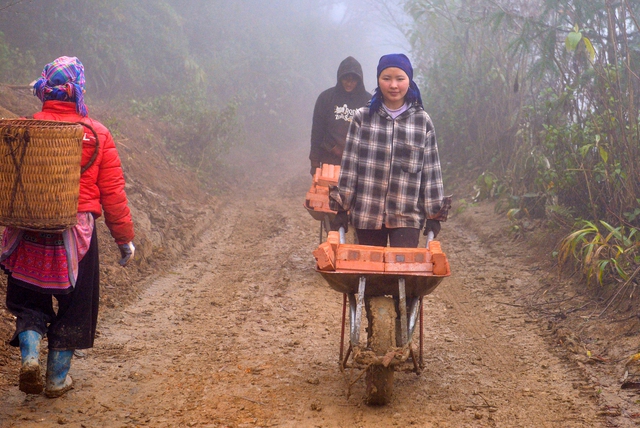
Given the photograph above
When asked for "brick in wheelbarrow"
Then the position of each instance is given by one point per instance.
(439, 259)
(318, 202)
(325, 256)
(333, 238)
(407, 260)
(329, 175)
(360, 258)
(316, 189)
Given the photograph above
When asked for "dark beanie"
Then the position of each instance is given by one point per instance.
(396, 60)
(402, 62)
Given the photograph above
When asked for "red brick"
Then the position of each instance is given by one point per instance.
(333, 238)
(440, 262)
(329, 175)
(360, 258)
(318, 202)
(315, 188)
(322, 190)
(407, 260)
(325, 257)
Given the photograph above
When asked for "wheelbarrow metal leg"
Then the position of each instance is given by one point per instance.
(356, 319)
(344, 316)
(416, 367)
(343, 235)
(402, 304)
(413, 305)
(421, 334)
(343, 362)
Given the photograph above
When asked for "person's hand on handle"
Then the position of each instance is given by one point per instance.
(432, 226)
(127, 252)
(341, 220)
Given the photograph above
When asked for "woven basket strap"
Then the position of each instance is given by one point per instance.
(95, 152)
(9, 140)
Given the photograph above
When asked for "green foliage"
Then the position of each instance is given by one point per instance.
(543, 95)
(462, 205)
(634, 214)
(487, 187)
(126, 46)
(251, 52)
(602, 253)
(507, 203)
(469, 78)
(195, 133)
(561, 216)
(516, 228)
(14, 63)
(573, 39)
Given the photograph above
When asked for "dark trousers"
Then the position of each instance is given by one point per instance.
(73, 325)
(406, 237)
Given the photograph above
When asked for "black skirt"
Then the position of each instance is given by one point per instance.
(73, 324)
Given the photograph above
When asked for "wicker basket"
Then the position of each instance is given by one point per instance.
(39, 173)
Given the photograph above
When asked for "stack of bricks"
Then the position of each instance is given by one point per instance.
(360, 258)
(317, 198)
(328, 175)
(333, 256)
(403, 260)
(318, 195)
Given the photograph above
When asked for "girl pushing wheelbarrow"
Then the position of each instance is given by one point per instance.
(390, 183)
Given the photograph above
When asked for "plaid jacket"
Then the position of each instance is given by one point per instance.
(390, 172)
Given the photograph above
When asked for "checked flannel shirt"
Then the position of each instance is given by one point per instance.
(390, 171)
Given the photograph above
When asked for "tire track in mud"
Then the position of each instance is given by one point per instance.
(471, 260)
(509, 359)
(243, 333)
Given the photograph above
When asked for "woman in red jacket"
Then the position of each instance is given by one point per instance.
(65, 265)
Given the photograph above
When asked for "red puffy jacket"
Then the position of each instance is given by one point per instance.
(102, 184)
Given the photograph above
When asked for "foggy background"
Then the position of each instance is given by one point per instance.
(265, 61)
(528, 97)
(376, 28)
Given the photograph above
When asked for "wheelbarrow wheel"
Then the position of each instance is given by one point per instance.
(381, 314)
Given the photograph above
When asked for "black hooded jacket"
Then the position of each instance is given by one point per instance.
(332, 115)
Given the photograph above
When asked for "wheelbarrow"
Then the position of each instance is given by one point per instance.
(393, 306)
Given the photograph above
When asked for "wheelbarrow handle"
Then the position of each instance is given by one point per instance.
(429, 237)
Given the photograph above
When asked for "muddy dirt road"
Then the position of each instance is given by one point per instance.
(244, 333)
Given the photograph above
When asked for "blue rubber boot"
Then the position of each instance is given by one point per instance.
(30, 372)
(58, 379)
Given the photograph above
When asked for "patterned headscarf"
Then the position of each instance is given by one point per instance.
(402, 62)
(62, 80)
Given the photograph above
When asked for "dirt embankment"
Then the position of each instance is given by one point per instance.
(224, 323)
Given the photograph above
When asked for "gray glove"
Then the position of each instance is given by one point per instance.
(340, 220)
(433, 226)
(126, 251)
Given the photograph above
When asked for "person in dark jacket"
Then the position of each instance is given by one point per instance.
(333, 113)
(44, 265)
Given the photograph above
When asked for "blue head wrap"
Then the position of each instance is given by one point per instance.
(62, 80)
(402, 62)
